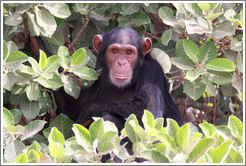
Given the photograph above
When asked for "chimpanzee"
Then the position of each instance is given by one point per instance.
(130, 81)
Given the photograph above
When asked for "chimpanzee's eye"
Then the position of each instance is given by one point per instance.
(129, 52)
(114, 51)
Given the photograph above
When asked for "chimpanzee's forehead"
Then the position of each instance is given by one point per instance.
(122, 36)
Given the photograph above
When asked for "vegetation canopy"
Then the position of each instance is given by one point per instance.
(47, 47)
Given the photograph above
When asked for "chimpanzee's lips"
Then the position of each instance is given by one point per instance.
(121, 77)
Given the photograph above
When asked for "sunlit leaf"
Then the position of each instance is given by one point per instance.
(194, 89)
(60, 10)
(221, 64)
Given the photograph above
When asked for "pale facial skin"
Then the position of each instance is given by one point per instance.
(121, 59)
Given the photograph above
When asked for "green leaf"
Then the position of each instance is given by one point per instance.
(53, 63)
(62, 51)
(183, 136)
(105, 148)
(159, 123)
(208, 129)
(194, 9)
(42, 59)
(148, 120)
(221, 64)
(222, 152)
(65, 57)
(32, 128)
(167, 140)
(179, 49)
(78, 57)
(33, 156)
(207, 52)
(86, 73)
(8, 119)
(27, 70)
(16, 115)
(53, 83)
(30, 109)
(130, 130)
(12, 47)
(140, 18)
(152, 7)
(9, 80)
(5, 50)
(33, 92)
(211, 88)
(193, 75)
(139, 133)
(130, 8)
(46, 21)
(96, 129)
(195, 138)
(63, 124)
(22, 158)
(109, 126)
(211, 17)
(235, 156)
(15, 59)
(60, 10)
(108, 136)
(191, 50)
(200, 149)
(165, 12)
(35, 65)
(154, 156)
(82, 136)
(57, 39)
(180, 7)
(32, 25)
(56, 136)
(172, 128)
(81, 8)
(162, 58)
(204, 6)
(220, 78)
(223, 29)
(194, 89)
(56, 150)
(12, 150)
(236, 126)
(166, 36)
(195, 27)
(35, 146)
(70, 86)
(13, 19)
(184, 63)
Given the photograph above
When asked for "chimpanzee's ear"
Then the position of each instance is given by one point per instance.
(97, 42)
(147, 45)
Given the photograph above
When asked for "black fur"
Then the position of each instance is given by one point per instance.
(147, 90)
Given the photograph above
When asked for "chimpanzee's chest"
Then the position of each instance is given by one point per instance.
(115, 95)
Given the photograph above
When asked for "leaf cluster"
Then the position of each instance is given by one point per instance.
(67, 142)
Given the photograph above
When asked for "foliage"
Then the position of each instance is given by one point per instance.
(27, 82)
(47, 46)
(153, 143)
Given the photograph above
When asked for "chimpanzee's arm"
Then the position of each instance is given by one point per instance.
(149, 97)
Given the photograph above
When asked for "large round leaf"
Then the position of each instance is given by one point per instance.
(60, 10)
(194, 89)
(46, 21)
(162, 58)
(221, 64)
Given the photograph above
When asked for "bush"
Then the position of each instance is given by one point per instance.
(154, 143)
(199, 45)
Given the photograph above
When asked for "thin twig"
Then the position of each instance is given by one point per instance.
(77, 36)
(148, 34)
